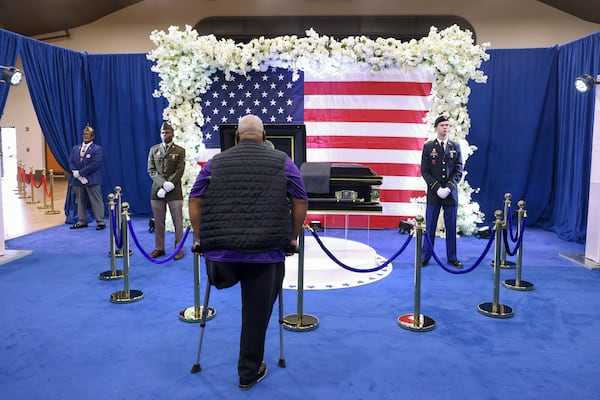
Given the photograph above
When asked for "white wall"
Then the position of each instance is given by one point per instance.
(503, 23)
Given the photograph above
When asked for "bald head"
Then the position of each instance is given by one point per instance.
(250, 127)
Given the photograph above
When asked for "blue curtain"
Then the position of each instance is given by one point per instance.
(513, 124)
(129, 120)
(57, 85)
(9, 51)
(575, 115)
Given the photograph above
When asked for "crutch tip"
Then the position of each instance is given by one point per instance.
(281, 363)
(196, 368)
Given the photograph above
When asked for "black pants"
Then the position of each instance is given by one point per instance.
(260, 284)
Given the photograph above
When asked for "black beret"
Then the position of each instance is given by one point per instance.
(439, 119)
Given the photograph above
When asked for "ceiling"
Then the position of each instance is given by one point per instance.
(44, 17)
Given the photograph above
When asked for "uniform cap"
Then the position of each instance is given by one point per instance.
(166, 126)
(88, 128)
(439, 119)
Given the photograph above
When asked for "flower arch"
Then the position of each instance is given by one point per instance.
(186, 61)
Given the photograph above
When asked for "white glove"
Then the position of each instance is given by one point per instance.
(443, 192)
(168, 186)
(83, 180)
(76, 174)
(161, 193)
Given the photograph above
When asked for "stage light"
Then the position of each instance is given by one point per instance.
(584, 83)
(11, 75)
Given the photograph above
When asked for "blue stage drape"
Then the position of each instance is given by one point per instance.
(129, 120)
(532, 129)
(513, 122)
(9, 51)
(574, 138)
(56, 81)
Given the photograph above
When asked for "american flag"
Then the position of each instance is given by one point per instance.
(372, 119)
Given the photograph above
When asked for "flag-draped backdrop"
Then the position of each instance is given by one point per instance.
(361, 118)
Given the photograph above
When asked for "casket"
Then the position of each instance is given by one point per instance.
(341, 187)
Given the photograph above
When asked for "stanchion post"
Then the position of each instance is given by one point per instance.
(417, 321)
(52, 210)
(495, 309)
(23, 193)
(32, 187)
(503, 263)
(194, 313)
(119, 223)
(517, 283)
(300, 322)
(114, 273)
(126, 295)
(43, 179)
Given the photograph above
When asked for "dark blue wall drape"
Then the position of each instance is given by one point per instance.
(574, 138)
(128, 124)
(513, 120)
(57, 85)
(532, 129)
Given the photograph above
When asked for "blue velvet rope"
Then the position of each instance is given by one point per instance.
(505, 234)
(462, 271)
(510, 228)
(164, 260)
(118, 240)
(341, 264)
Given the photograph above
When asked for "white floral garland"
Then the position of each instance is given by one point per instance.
(186, 61)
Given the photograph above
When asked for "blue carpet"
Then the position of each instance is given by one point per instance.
(61, 337)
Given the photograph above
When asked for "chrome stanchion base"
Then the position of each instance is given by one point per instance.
(495, 311)
(302, 323)
(506, 264)
(123, 296)
(523, 286)
(109, 275)
(425, 324)
(194, 314)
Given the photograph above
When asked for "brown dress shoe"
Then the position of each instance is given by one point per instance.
(157, 253)
(179, 255)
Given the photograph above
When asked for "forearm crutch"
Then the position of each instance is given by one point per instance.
(281, 362)
(196, 367)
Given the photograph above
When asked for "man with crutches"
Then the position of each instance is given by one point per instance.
(247, 208)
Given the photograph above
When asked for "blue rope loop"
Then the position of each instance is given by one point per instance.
(164, 260)
(462, 271)
(518, 244)
(118, 240)
(510, 227)
(347, 267)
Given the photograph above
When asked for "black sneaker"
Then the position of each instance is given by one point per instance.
(262, 372)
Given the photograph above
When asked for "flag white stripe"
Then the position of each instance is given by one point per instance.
(367, 129)
(367, 102)
(364, 156)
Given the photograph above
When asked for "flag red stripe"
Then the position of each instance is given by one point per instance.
(349, 115)
(389, 169)
(358, 221)
(368, 88)
(399, 196)
(364, 142)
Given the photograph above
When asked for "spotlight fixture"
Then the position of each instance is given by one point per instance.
(11, 75)
(585, 83)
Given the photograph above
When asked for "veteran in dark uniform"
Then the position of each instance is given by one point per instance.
(442, 169)
(166, 163)
(85, 162)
